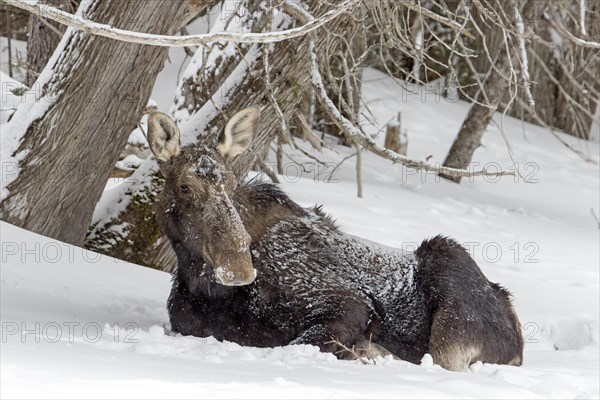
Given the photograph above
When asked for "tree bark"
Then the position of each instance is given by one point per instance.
(43, 38)
(99, 87)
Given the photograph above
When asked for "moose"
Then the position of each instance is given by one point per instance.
(257, 269)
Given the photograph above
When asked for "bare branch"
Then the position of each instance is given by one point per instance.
(430, 14)
(356, 136)
(78, 22)
(565, 33)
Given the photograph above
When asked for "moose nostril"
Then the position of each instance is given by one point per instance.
(229, 278)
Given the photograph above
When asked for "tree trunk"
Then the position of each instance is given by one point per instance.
(44, 36)
(142, 241)
(481, 113)
(98, 89)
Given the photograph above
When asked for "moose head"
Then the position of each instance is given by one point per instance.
(202, 220)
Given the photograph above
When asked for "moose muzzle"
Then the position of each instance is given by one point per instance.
(228, 247)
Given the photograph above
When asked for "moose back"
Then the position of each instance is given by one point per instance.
(257, 269)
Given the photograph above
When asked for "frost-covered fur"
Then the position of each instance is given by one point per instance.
(315, 285)
(318, 286)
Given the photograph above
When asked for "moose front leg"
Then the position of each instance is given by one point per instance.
(338, 328)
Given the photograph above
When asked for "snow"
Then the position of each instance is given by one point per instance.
(168, 79)
(11, 93)
(130, 162)
(101, 331)
(137, 136)
(538, 239)
(19, 51)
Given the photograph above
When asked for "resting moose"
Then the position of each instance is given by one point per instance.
(257, 269)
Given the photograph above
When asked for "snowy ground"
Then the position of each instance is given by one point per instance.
(74, 319)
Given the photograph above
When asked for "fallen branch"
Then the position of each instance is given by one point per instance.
(78, 22)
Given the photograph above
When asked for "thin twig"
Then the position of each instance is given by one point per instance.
(346, 349)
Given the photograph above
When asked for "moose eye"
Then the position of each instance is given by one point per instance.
(184, 189)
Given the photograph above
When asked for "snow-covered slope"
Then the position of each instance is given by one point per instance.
(102, 326)
(76, 325)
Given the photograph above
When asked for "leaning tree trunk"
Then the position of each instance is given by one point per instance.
(487, 101)
(96, 88)
(141, 240)
(44, 36)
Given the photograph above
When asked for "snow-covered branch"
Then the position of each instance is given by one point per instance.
(582, 11)
(105, 30)
(523, 51)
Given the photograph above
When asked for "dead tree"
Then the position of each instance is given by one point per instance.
(346, 53)
(571, 74)
(13, 26)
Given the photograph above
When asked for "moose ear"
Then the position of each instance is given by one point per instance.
(163, 136)
(239, 132)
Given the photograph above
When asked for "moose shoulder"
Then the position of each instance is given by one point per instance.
(257, 269)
